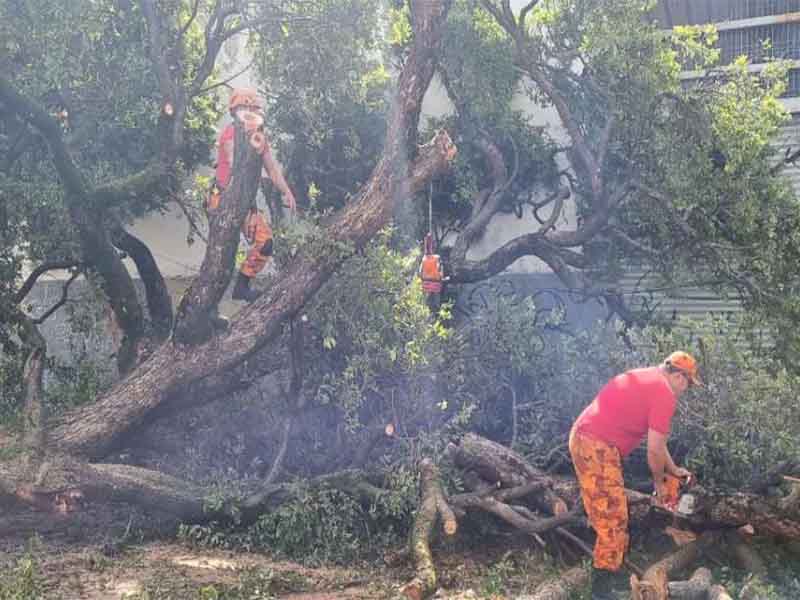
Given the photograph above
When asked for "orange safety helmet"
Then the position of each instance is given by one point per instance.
(685, 363)
(244, 97)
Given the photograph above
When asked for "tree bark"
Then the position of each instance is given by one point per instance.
(92, 431)
(193, 324)
(432, 506)
(35, 416)
(494, 462)
(695, 588)
(768, 516)
(653, 585)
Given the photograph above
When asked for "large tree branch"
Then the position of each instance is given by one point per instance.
(95, 429)
(559, 259)
(523, 14)
(490, 206)
(193, 322)
(28, 110)
(159, 302)
(96, 246)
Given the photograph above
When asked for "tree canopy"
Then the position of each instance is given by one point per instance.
(568, 117)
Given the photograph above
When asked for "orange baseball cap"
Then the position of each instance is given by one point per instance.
(247, 97)
(686, 363)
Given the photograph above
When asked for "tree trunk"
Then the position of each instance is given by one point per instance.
(768, 516)
(35, 435)
(115, 281)
(92, 431)
(199, 303)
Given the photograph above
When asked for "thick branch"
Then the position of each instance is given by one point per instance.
(531, 244)
(96, 248)
(199, 302)
(31, 112)
(35, 436)
(580, 144)
(159, 302)
(653, 585)
(477, 225)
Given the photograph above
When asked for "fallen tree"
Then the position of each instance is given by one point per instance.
(92, 431)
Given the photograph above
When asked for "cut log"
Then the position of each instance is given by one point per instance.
(424, 582)
(696, 588)
(494, 463)
(653, 585)
(564, 587)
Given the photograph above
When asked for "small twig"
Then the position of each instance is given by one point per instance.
(38, 272)
(192, 222)
(61, 302)
(192, 17)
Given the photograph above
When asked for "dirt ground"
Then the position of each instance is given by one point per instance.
(173, 571)
(64, 568)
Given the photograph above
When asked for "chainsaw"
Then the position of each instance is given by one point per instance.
(678, 500)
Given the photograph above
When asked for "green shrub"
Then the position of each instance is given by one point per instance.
(323, 525)
(745, 419)
(23, 581)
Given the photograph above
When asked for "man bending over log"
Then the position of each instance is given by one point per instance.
(637, 402)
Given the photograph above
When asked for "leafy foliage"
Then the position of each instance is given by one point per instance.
(23, 580)
(326, 87)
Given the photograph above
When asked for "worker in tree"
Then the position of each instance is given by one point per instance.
(432, 275)
(636, 403)
(255, 228)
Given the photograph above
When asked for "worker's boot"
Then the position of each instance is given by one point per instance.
(242, 289)
(602, 584)
(219, 322)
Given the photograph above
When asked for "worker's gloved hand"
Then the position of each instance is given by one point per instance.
(684, 475)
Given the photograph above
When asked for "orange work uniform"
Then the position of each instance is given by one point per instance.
(258, 234)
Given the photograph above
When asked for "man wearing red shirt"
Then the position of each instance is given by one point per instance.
(636, 403)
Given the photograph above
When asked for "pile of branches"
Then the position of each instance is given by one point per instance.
(548, 509)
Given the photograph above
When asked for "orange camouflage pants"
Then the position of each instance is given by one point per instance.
(258, 234)
(599, 469)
